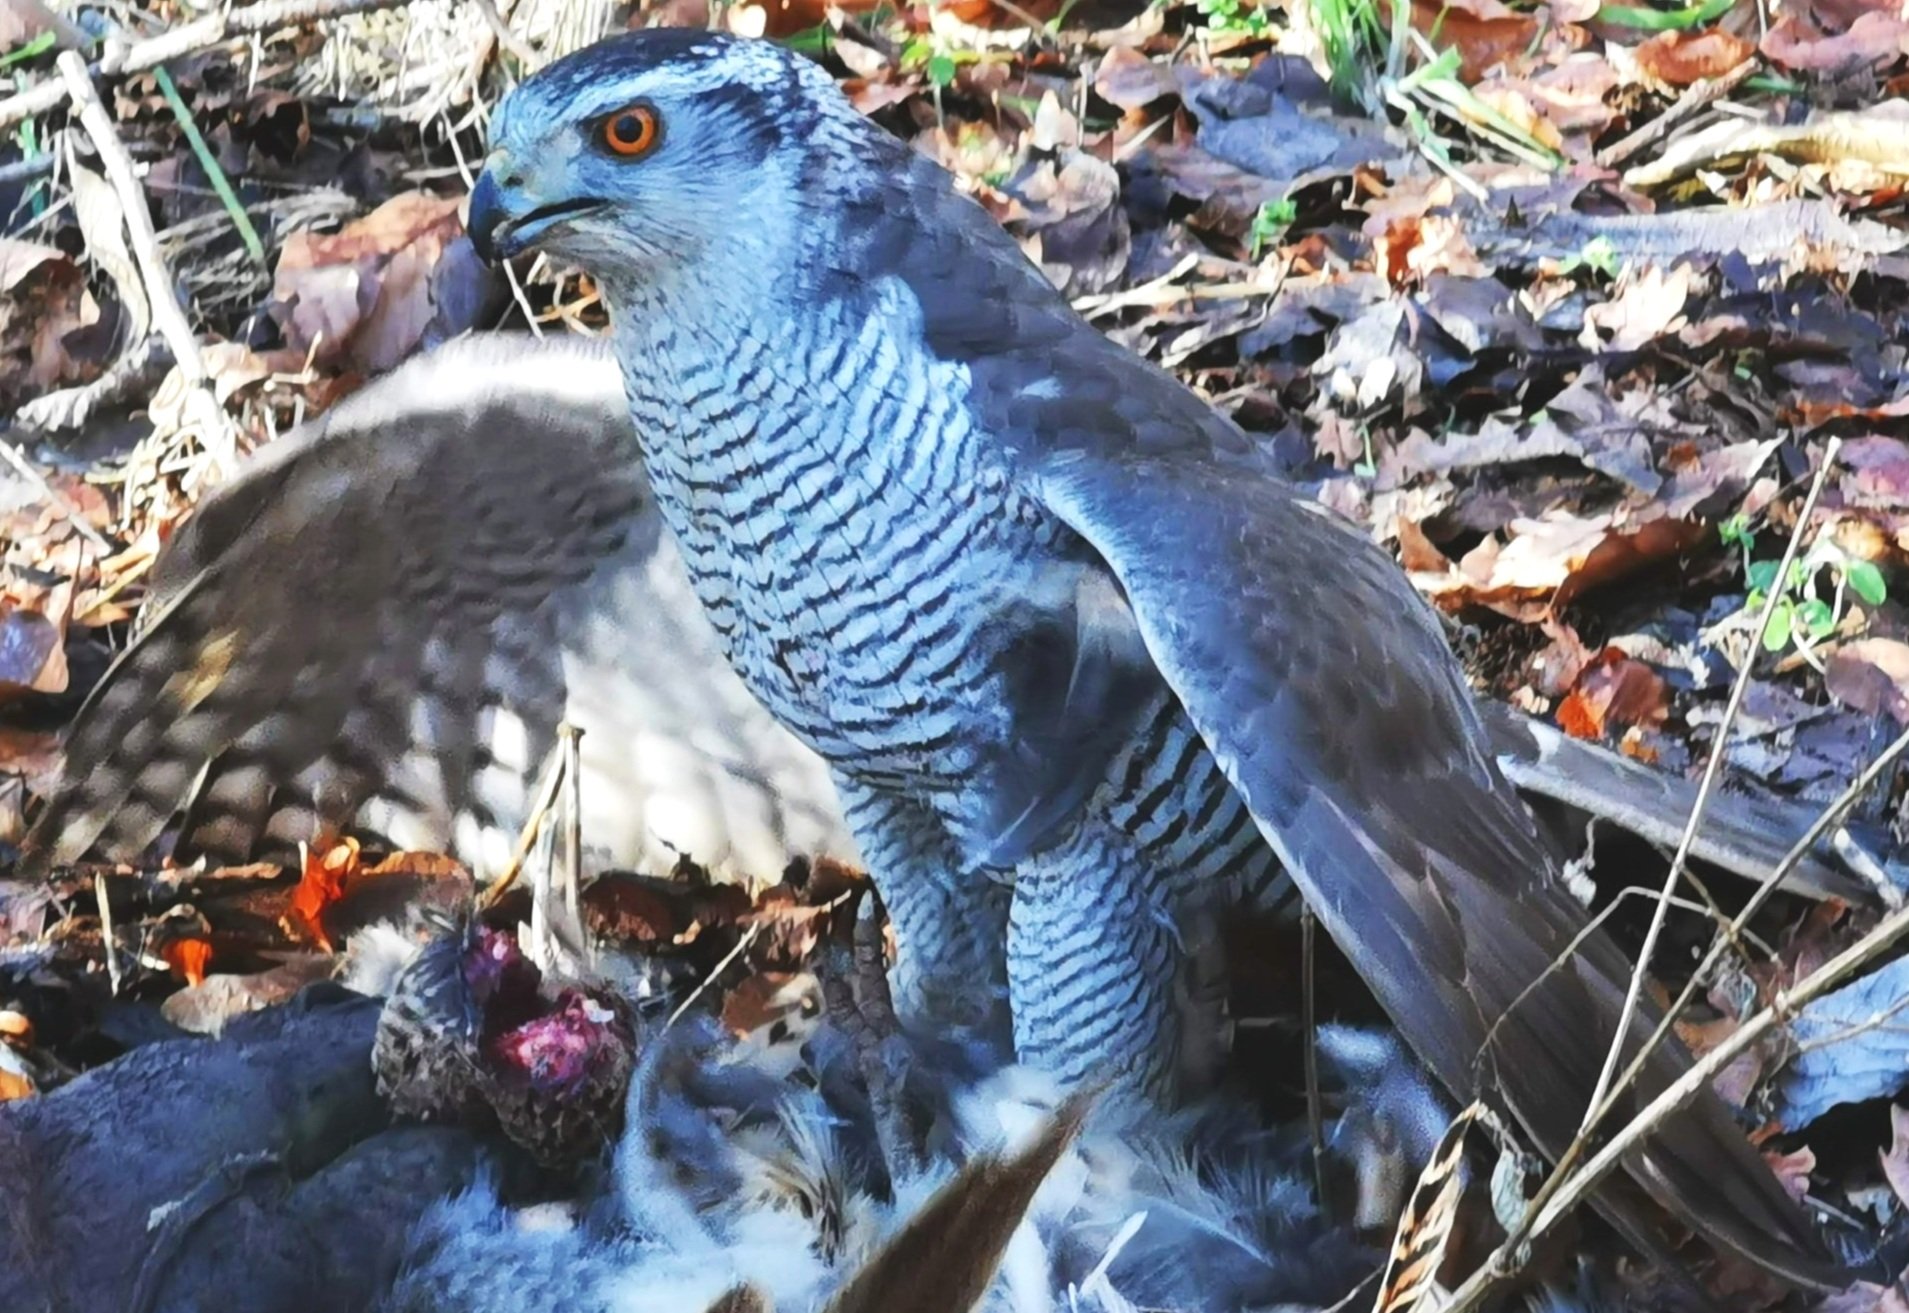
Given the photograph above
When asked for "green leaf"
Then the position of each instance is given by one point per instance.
(1776, 635)
(1866, 581)
(1657, 20)
(1817, 618)
(941, 69)
(39, 45)
(1761, 574)
(1735, 531)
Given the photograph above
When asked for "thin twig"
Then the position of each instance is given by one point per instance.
(118, 58)
(26, 470)
(742, 945)
(201, 408)
(508, 39)
(1315, 1112)
(106, 931)
(1696, 96)
(1680, 1091)
(546, 797)
(572, 739)
(209, 164)
(1605, 1097)
(1713, 770)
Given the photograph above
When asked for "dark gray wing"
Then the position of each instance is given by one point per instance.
(388, 613)
(1322, 684)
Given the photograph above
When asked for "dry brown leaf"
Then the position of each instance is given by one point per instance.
(1738, 1080)
(1871, 675)
(15, 1081)
(1681, 58)
(43, 309)
(1614, 691)
(374, 291)
(1875, 38)
(1551, 560)
(326, 872)
(1793, 1170)
(1895, 1159)
(1646, 306)
(188, 956)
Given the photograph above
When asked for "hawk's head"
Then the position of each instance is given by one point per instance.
(639, 153)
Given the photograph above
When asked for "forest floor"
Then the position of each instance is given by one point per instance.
(1579, 307)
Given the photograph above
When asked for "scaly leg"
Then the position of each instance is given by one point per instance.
(951, 928)
(1106, 977)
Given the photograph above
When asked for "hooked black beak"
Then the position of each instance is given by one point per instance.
(497, 234)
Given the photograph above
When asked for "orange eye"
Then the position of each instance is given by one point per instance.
(632, 131)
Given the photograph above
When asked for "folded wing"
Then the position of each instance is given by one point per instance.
(1323, 686)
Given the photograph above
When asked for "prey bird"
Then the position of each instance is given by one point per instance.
(1084, 671)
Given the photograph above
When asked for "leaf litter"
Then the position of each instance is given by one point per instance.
(1562, 303)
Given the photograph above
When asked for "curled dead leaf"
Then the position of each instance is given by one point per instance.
(188, 957)
(324, 874)
(1678, 59)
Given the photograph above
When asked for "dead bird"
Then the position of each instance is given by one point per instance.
(473, 1031)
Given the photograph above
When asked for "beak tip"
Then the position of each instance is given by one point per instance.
(486, 217)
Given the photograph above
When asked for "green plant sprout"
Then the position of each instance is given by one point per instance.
(1801, 616)
(1270, 224)
(1233, 17)
(1599, 254)
(940, 62)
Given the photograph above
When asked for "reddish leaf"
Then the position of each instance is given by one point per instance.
(320, 884)
(188, 956)
(1614, 691)
(1895, 1159)
(1871, 675)
(1874, 38)
(1681, 58)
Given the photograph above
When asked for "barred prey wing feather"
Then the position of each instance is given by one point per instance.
(1321, 683)
(388, 612)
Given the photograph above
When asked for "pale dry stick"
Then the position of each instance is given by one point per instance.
(106, 931)
(188, 39)
(573, 822)
(546, 795)
(1696, 96)
(509, 40)
(169, 316)
(57, 499)
(742, 945)
(1713, 769)
(1831, 817)
(1503, 1260)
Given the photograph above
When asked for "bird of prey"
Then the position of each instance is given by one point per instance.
(388, 615)
(1082, 668)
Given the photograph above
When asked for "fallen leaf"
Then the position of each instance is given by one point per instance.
(1614, 691)
(1646, 306)
(1871, 675)
(188, 956)
(1793, 1170)
(1874, 38)
(321, 882)
(1680, 58)
(204, 1008)
(1895, 1159)
(401, 277)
